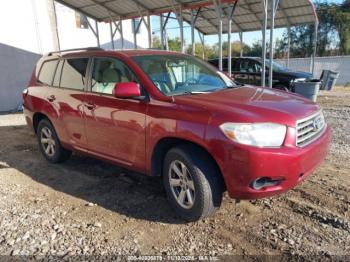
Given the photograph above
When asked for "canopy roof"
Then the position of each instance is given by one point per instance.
(248, 14)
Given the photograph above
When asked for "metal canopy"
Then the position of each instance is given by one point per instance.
(248, 15)
(208, 17)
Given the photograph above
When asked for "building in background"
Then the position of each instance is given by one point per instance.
(31, 28)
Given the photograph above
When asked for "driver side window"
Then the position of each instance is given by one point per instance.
(107, 72)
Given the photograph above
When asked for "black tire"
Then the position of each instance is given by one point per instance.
(59, 154)
(206, 178)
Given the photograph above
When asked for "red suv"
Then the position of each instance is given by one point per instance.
(172, 115)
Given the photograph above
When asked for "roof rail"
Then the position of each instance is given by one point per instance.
(76, 49)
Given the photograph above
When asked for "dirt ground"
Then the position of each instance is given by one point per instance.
(87, 207)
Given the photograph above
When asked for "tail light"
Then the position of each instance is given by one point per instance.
(25, 93)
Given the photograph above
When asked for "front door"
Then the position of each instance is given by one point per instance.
(115, 127)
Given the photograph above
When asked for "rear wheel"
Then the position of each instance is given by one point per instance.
(192, 182)
(49, 143)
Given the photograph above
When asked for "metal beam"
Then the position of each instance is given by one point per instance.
(265, 4)
(249, 8)
(315, 49)
(112, 35)
(108, 9)
(194, 16)
(288, 46)
(161, 20)
(79, 10)
(163, 24)
(97, 34)
(149, 30)
(119, 28)
(218, 9)
(201, 37)
(229, 29)
(181, 24)
(241, 43)
(274, 5)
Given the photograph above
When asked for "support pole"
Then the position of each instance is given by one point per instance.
(161, 20)
(192, 33)
(121, 33)
(181, 24)
(288, 47)
(220, 44)
(112, 36)
(241, 43)
(134, 32)
(229, 34)
(274, 4)
(265, 4)
(201, 36)
(272, 25)
(203, 44)
(97, 34)
(218, 9)
(149, 30)
(315, 49)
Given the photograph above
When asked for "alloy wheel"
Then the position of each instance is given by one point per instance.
(181, 184)
(47, 141)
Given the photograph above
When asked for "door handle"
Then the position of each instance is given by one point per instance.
(90, 106)
(51, 98)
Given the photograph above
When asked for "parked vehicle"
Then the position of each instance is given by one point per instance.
(247, 70)
(172, 115)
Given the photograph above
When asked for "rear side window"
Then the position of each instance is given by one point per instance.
(47, 71)
(74, 73)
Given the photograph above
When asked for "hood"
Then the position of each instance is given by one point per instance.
(295, 74)
(252, 104)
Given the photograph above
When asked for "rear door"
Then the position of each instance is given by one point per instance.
(115, 127)
(67, 97)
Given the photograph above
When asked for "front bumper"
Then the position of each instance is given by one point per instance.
(244, 164)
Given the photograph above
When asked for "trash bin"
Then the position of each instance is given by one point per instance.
(328, 78)
(308, 89)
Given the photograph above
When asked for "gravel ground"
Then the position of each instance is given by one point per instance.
(87, 207)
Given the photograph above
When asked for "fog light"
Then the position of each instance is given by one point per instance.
(262, 182)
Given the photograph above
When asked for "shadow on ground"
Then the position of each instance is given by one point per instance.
(130, 194)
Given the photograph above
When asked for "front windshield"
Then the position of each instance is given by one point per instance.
(276, 66)
(178, 74)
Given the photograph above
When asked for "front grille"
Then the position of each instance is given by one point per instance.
(309, 129)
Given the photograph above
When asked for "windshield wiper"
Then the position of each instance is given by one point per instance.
(193, 93)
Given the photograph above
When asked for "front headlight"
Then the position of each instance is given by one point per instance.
(259, 134)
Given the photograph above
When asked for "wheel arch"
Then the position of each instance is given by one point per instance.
(37, 117)
(165, 144)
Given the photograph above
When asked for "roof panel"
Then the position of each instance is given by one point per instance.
(247, 17)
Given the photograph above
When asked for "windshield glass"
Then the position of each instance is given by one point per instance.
(177, 75)
(276, 66)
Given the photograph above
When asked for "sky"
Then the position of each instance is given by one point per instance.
(248, 37)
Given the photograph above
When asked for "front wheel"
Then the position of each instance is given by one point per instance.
(192, 182)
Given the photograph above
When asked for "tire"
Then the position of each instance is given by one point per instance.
(49, 143)
(202, 183)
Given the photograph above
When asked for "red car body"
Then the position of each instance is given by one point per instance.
(135, 134)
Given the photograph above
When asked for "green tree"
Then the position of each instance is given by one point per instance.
(210, 52)
(333, 33)
(342, 23)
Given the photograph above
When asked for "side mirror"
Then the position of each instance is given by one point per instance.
(127, 90)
